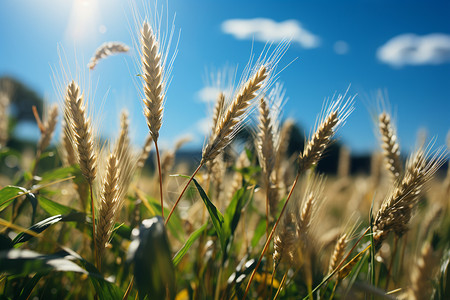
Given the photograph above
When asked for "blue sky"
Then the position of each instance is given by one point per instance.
(401, 47)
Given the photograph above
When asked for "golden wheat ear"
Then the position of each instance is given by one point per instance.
(233, 116)
(82, 131)
(332, 118)
(397, 209)
(390, 145)
(49, 128)
(105, 50)
(154, 85)
(109, 203)
(6, 92)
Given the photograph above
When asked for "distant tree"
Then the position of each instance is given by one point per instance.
(22, 100)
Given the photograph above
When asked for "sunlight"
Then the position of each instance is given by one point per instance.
(83, 22)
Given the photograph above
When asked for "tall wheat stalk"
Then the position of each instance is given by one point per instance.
(154, 91)
(75, 111)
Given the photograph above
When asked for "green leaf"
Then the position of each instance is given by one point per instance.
(216, 217)
(234, 209)
(24, 262)
(52, 207)
(59, 173)
(29, 286)
(104, 288)
(192, 238)
(44, 224)
(9, 193)
(259, 232)
(154, 273)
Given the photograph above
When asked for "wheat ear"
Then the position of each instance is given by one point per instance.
(145, 152)
(84, 140)
(108, 203)
(396, 211)
(153, 80)
(338, 252)
(229, 123)
(49, 128)
(5, 99)
(82, 132)
(284, 241)
(391, 148)
(218, 110)
(105, 50)
(154, 89)
(335, 115)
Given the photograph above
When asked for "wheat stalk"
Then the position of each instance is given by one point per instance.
(105, 50)
(390, 145)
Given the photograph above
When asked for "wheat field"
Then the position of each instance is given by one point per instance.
(88, 219)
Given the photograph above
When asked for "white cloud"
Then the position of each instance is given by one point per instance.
(411, 49)
(341, 47)
(209, 94)
(267, 30)
(204, 125)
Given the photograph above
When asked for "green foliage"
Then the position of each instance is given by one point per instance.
(149, 253)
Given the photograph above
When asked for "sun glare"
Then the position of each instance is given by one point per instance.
(83, 21)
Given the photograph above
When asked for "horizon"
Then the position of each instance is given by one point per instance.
(406, 60)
